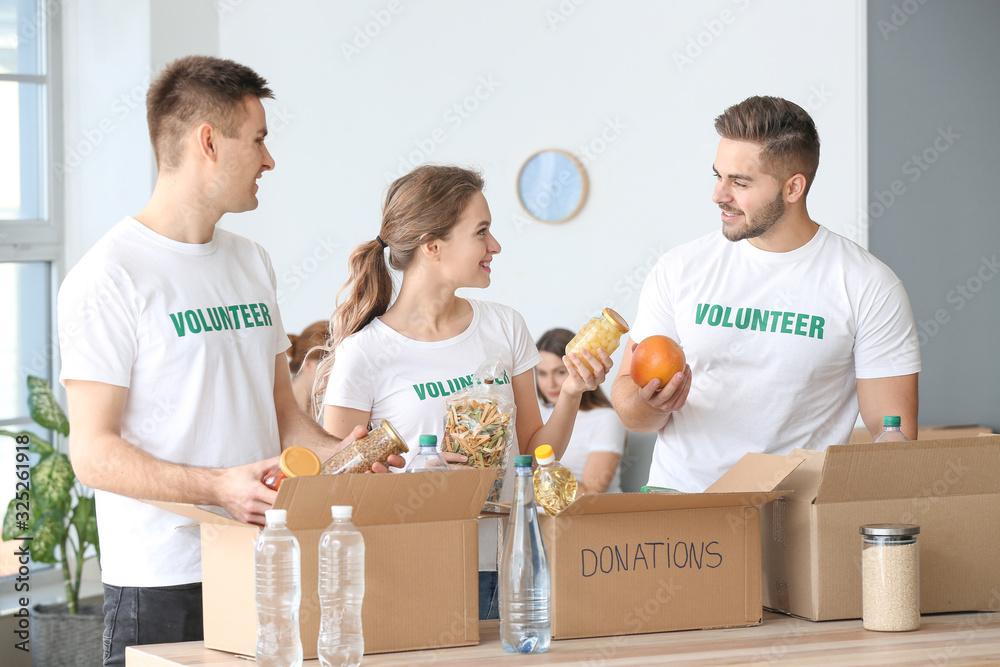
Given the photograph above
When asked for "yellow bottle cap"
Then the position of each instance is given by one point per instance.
(544, 454)
(299, 461)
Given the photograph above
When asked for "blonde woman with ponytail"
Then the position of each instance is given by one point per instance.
(399, 360)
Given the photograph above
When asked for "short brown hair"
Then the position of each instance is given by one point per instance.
(785, 132)
(194, 90)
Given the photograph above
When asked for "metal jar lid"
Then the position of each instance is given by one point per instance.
(889, 529)
(394, 435)
(617, 320)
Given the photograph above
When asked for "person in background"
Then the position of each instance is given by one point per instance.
(595, 449)
(397, 361)
(302, 364)
(173, 356)
(790, 328)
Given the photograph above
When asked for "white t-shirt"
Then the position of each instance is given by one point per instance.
(407, 382)
(776, 343)
(193, 331)
(597, 430)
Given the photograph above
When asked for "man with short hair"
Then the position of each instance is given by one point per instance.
(789, 327)
(173, 356)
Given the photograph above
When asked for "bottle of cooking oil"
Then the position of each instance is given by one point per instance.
(555, 485)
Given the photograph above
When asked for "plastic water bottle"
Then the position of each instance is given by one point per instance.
(341, 591)
(428, 458)
(525, 587)
(277, 564)
(892, 432)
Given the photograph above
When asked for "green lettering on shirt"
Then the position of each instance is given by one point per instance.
(178, 321)
(220, 318)
(436, 388)
(756, 319)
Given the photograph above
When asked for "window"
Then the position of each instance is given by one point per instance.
(30, 217)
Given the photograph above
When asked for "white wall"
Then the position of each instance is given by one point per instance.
(604, 77)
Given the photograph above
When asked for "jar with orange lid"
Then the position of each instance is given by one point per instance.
(295, 462)
(599, 332)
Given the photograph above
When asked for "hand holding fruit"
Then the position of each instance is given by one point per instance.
(660, 369)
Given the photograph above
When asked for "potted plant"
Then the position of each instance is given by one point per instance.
(57, 512)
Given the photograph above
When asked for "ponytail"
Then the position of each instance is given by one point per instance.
(368, 298)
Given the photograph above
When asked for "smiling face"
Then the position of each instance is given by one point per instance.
(242, 160)
(550, 373)
(467, 252)
(751, 200)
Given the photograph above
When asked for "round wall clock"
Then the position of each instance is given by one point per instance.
(552, 186)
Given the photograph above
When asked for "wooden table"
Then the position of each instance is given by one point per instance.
(943, 639)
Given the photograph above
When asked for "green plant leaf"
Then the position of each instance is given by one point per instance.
(10, 529)
(48, 534)
(44, 408)
(85, 521)
(52, 481)
(35, 444)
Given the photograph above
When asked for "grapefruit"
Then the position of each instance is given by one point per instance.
(656, 357)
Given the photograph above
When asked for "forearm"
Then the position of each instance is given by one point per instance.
(296, 428)
(110, 463)
(634, 413)
(879, 397)
(557, 431)
(598, 471)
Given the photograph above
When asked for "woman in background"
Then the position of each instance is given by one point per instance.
(302, 365)
(598, 441)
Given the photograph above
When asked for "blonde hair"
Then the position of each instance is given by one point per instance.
(420, 207)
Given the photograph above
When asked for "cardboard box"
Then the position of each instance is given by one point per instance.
(943, 432)
(650, 562)
(950, 488)
(421, 559)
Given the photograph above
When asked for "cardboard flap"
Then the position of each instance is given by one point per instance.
(615, 503)
(756, 472)
(880, 471)
(197, 513)
(386, 499)
(804, 480)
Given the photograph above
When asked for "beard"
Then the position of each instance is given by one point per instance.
(758, 225)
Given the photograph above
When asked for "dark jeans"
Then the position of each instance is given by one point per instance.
(489, 602)
(162, 615)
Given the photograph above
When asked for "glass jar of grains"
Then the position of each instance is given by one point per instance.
(599, 332)
(890, 577)
(360, 455)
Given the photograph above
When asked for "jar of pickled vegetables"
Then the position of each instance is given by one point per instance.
(295, 462)
(599, 332)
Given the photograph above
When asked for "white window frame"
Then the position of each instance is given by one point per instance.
(42, 240)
